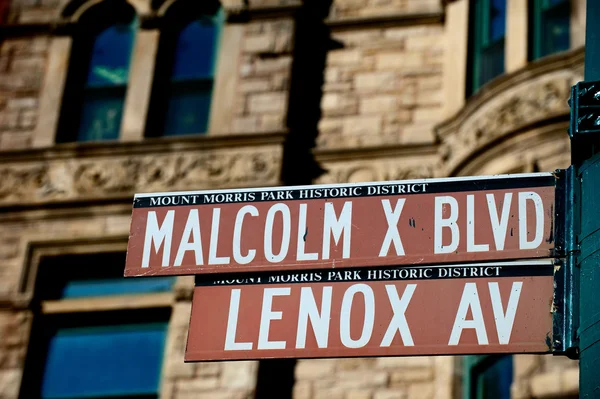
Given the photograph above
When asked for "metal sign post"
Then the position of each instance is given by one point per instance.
(585, 145)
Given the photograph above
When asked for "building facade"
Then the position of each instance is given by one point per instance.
(101, 99)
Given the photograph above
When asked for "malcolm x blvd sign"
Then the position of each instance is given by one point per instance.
(384, 311)
(347, 225)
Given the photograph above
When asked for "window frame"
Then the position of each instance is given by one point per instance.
(95, 311)
(473, 366)
(177, 18)
(46, 324)
(535, 37)
(480, 41)
(91, 23)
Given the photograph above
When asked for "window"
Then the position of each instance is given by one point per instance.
(487, 377)
(100, 349)
(549, 27)
(99, 68)
(90, 361)
(185, 71)
(275, 379)
(487, 32)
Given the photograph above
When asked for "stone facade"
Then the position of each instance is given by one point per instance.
(392, 107)
(22, 63)
(375, 378)
(383, 88)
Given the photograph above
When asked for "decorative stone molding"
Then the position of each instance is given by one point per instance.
(248, 10)
(399, 162)
(386, 20)
(544, 149)
(374, 171)
(364, 10)
(59, 175)
(533, 95)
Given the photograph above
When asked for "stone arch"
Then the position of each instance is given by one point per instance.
(177, 7)
(71, 11)
(517, 107)
(541, 149)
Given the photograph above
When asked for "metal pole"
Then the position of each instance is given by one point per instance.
(586, 159)
(592, 40)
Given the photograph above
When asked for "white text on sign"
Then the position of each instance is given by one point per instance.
(286, 226)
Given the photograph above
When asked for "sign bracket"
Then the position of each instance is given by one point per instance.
(565, 306)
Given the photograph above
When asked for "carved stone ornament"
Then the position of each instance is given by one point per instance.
(375, 171)
(72, 179)
(514, 104)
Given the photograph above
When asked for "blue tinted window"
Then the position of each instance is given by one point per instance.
(104, 92)
(100, 274)
(190, 89)
(111, 53)
(188, 111)
(195, 50)
(497, 9)
(104, 361)
(556, 29)
(550, 27)
(121, 286)
(495, 380)
(101, 115)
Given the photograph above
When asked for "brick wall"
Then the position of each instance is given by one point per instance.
(264, 76)
(544, 377)
(384, 87)
(22, 64)
(14, 333)
(218, 380)
(33, 11)
(374, 378)
(369, 8)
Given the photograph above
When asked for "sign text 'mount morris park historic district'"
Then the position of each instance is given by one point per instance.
(339, 226)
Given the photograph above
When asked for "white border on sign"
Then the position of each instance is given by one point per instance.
(342, 185)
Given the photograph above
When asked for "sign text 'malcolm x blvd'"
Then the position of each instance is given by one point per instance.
(340, 226)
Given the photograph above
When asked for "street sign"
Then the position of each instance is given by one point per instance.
(410, 222)
(385, 311)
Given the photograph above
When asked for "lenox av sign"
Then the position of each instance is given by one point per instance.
(342, 226)
(382, 311)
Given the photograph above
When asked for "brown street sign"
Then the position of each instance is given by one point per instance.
(346, 225)
(385, 311)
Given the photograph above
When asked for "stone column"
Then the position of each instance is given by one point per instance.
(52, 92)
(455, 59)
(577, 23)
(226, 80)
(516, 35)
(141, 75)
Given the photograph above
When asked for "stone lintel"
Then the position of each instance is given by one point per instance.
(333, 155)
(254, 13)
(147, 146)
(109, 172)
(385, 21)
